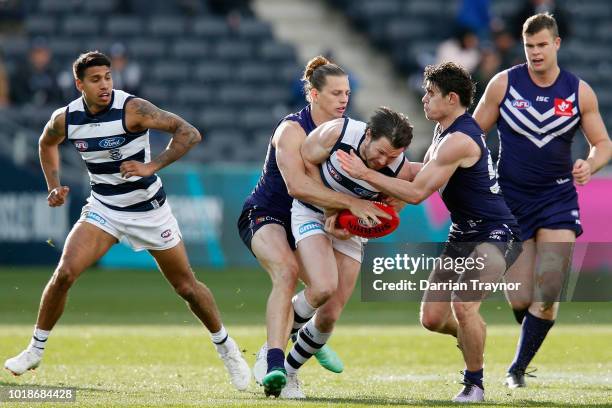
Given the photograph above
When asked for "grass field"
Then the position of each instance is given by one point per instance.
(127, 340)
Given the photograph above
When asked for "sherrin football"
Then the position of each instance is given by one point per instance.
(363, 228)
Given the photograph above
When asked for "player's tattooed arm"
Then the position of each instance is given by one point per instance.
(48, 152)
(140, 115)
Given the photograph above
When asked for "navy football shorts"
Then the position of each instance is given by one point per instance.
(252, 219)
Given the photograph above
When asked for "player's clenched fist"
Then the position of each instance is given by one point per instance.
(581, 172)
(134, 168)
(57, 196)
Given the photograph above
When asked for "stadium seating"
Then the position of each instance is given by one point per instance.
(228, 80)
(409, 31)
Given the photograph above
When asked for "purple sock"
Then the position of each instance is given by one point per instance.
(276, 359)
(474, 377)
(533, 333)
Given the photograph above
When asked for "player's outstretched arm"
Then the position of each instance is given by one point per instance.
(595, 131)
(48, 152)
(140, 115)
(487, 110)
(455, 150)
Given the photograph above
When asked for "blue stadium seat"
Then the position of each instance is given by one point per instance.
(256, 72)
(124, 26)
(210, 27)
(254, 30)
(101, 8)
(39, 25)
(65, 47)
(147, 48)
(194, 94)
(81, 25)
(239, 95)
(233, 50)
(275, 51)
(166, 26)
(213, 71)
(258, 118)
(171, 71)
(217, 116)
(58, 6)
(14, 48)
(189, 49)
(158, 94)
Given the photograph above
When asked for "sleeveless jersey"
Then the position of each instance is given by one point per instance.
(472, 195)
(536, 126)
(104, 142)
(334, 177)
(271, 192)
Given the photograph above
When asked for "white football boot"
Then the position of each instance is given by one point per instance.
(237, 367)
(470, 393)
(293, 389)
(26, 360)
(260, 368)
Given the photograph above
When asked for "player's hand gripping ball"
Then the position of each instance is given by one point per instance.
(365, 228)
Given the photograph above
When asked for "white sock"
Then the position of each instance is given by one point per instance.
(39, 339)
(219, 337)
(302, 311)
(309, 341)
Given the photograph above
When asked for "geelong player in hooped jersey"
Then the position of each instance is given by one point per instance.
(538, 107)
(459, 165)
(265, 222)
(110, 129)
(330, 257)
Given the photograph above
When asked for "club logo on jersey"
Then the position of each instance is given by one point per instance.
(111, 142)
(563, 107)
(166, 233)
(365, 193)
(521, 103)
(81, 145)
(115, 154)
(333, 172)
(310, 226)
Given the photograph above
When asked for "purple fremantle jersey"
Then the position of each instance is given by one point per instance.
(271, 192)
(472, 194)
(536, 126)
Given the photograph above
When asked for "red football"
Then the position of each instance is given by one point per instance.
(362, 228)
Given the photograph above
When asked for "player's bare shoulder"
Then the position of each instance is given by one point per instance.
(55, 129)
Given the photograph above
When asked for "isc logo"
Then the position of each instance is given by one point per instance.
(541, 98)
(521, 103)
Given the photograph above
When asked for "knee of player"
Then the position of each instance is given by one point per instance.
(65, 275)
(321, 292)
(464, 311)
(186, 290)
(327, 318)
(285, 277)
(431, 321)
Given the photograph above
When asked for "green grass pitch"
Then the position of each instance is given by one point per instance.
(127, 340)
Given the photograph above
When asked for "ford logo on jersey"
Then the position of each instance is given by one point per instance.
(111, 142)
(365, 193)
(521, 103)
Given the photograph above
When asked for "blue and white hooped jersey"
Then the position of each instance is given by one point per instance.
(104, 143)
(536, 126)
(334, 177)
